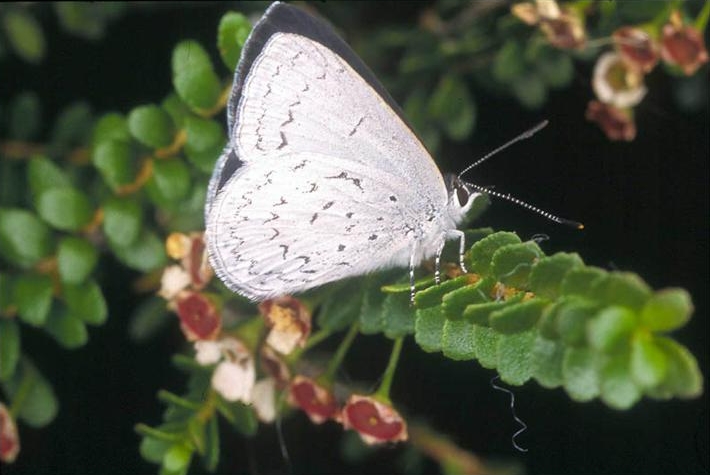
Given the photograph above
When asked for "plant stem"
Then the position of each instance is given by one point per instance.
(341, 351)
(383, 392)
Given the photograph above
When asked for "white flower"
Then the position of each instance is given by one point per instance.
(616, 83)
(235, 380)
(235, 374)
(174, 279)
(208, 352)
(263, 396)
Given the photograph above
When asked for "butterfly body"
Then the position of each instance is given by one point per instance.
(322, 178)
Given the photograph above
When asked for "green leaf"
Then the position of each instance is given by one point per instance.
(486, 344)
(153, 450)
(530, 90)
(24, 34)
(667, 310)
(151, 126)
(342, 307)
(211, 456)
(481, 253)
(453, 107)
(25, 116)
(67, 209)
(514, 362)
(242, 417)
(517, 318)
(32, 294)
(144, 254)
(580, 370)
(513, 263)
(177, 458)
(73, 127)
(86, 302)
(177, 109)
(36, 403)
(622, 288)
(508, 62)
(115, 162)
(43, 174)
(683, 377)
(580, 281)
(649, 362)
(24, 239)
(122, 221)
(9, 348)
(434, 295)
(556, 69)
(572, 316)
(205, 142)
(455, 302)
(69, 331)
(111, 127)
(232, 33)
(458, 341)
(397, 315)
(76, 259)
(169, 183)
(416, 110)
(371, 320)
(193, 76)
(547, 274)
(429, 328)
(197, 433)
(617, 387)
(150, 316)
(610, 328)
(480, 313)
(547, 356)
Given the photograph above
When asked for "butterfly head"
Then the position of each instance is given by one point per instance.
(461, 196)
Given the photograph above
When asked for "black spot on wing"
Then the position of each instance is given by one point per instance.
(231, 165)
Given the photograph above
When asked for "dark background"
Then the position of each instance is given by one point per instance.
(644, 205)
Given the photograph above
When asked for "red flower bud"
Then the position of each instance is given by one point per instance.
(199, 319)
(375, 421)
(9, 439)
(683, 46)
(317, 402)
(617, 124)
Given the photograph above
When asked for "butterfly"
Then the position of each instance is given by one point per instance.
(322, 177)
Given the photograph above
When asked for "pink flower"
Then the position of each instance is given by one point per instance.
(617, 124)
(199, 318)
(683, 46)
(9, 439)
(290, 323)
(235, 374)
(636, 48)
(561, 26)
(193, 270)
(316, 401)
(375, 421)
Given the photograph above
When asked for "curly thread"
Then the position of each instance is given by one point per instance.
(523, 425)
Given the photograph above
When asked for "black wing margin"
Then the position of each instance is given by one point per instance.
(284, 18)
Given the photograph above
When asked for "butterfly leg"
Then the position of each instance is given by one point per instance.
(437, 261)
(412, 264)
(462, 247)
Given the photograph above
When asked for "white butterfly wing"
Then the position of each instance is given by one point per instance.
(287, 228)
(330, 181)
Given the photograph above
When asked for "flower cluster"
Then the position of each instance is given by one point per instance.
(233, 355)
(618, 78)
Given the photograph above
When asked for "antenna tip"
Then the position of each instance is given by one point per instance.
(571, 223)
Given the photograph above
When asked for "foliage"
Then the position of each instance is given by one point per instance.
(119, 184)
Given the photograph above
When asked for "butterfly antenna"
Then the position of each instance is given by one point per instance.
(534, 209)
(525, 135)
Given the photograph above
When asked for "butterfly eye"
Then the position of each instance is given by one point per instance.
(462, 194)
